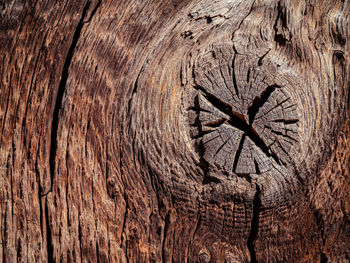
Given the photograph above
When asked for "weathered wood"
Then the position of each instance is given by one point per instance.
(248, 123)
(175, 131)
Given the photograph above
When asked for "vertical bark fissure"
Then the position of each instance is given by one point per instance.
(97, 253)
(93, 12)
(61, 90)
(254, 227)
(49, 245)
(55, 121)
(134, 90)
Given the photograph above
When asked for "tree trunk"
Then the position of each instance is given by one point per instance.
(175, 131)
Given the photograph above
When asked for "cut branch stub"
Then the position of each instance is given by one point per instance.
(246, 123)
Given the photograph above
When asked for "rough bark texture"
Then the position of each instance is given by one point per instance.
(175, 131)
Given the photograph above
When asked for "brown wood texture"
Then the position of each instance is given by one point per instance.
(175, 131)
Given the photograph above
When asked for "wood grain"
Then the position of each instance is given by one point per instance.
(175, 131)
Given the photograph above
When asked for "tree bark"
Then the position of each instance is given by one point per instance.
(175, 131)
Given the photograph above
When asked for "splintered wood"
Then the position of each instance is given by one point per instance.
(247, 122)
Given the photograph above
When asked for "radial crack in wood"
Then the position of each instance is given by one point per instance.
(174, 131)
(225, 103)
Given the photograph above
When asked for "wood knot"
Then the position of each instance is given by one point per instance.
(246, 123)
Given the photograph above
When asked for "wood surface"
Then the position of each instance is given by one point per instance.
(175, 131)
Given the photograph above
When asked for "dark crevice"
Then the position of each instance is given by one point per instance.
(207, 179)
(197, 109)
(253, 135)
(211, 139)
(338, 57)
(234, 80)
(280, 39)
(254, 227)
(80, 237)
(238, 121)
(324, 258)
(259, 101)
(209, 19)
(222, 145)
(281, 16)
(262, 57)
(49, 246)
(238, 153)
(19, 250)
(257, 170)
(134, 90)
(40, 211)
(338, 37)
(236, 52)
(291, 121)
(93, 12)
(97, 253)
(216, 102)
(60, 93)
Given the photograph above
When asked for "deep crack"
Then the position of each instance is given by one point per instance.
(238, 121)
(61, 90)
(232, 110)
(254, 227)
(259, 101)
